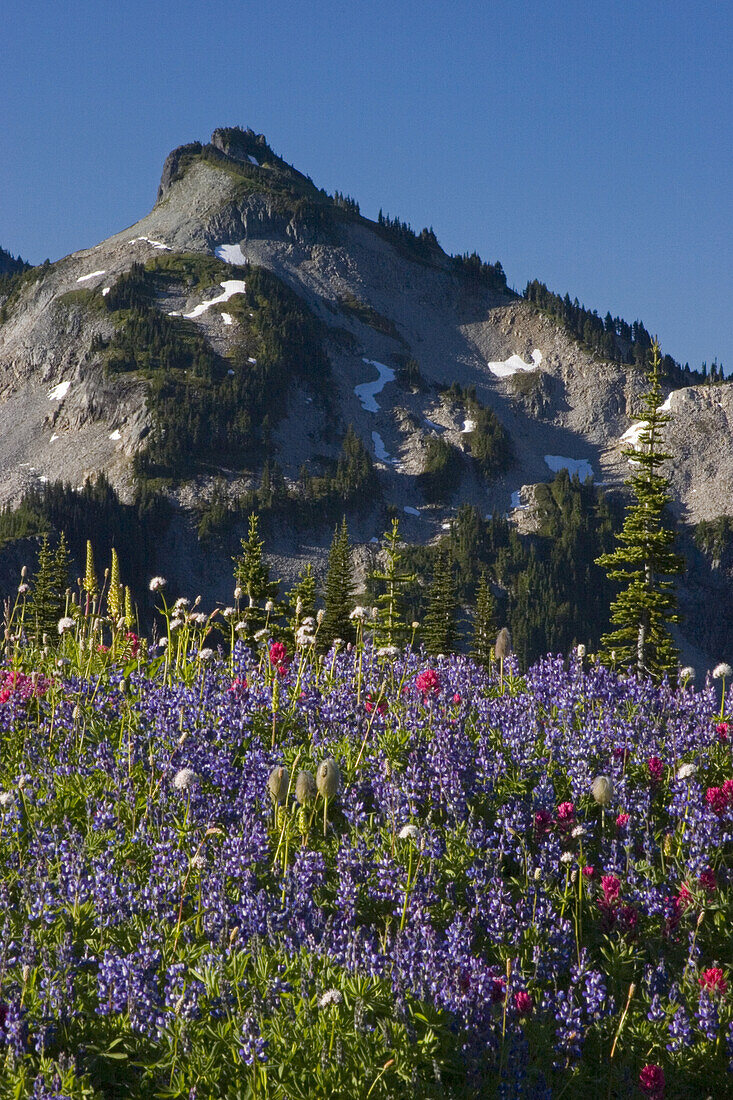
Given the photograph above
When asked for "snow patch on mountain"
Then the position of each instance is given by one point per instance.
(91, 275)
(379, 448)
(579, 466)
(58, 393)
(368, 391)
(155, 244)
(514, 364)
(231, 287)
(231, 254)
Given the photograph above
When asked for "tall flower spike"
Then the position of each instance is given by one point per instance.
(91, 584)
(114, 597)
(129, 613)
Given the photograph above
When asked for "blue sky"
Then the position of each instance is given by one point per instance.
(588, 145)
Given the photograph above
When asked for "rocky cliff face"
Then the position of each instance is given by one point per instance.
(381, 302)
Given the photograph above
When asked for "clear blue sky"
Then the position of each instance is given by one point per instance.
(587, 144)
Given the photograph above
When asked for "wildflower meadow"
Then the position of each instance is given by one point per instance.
(269, 871)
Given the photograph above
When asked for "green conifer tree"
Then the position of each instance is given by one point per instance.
(439, 629)
(304, 590)
(48, 598)
(252, 575)
(339, 591)
(645, 561)
(391, 627)
(484, 624)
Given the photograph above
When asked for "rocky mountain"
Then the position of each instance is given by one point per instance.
(249, 318)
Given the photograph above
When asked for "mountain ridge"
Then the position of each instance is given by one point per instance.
(379, 294)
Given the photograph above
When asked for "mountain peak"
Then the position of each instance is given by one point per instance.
(233, 148)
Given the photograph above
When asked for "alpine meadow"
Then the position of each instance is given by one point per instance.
(364, 696)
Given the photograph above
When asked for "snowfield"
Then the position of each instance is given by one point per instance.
(368, 391)
(155, 244)
(514, 364)
(231, 287)
(91, 275)
(231, 254)
(58, 393)
(579, 466)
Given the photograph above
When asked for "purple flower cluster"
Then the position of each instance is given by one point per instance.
(463, 862)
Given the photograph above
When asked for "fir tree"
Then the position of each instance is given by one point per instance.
(484, 624)
(392, 627)
(439, 630)
(302, 595)
(48, 599)
(339, 590)
(252, 576)
(645, 561)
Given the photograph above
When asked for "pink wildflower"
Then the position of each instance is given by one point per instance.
(611, 887)
(278, 654)
(713, 980)
(651, 1082)
(656, 769)
(708, 880)
(523, 1002)
(717, 800)
(428, 683)
(566, 812)
(622, 821)
(722, 730)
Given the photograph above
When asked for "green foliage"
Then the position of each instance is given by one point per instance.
(350, 482)
(440, 632)
(339, 590)
(207, 410)
(610, 337)
(475, 270)
(392, 628)
(365, 313)
(715, 536)
(549, 590)
(134, 529)
(490, 444)
(252, 576)
(20, 522)
(442, 470)
(13, 284)
(48, 589)
(484, 624)
(645, 561)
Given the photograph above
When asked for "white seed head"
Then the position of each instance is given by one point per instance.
(328, 777)
(269, 606)
(65, 624)
(278, 783)
(722, 670)
(687, 673)
(237, 593)
(686, 771)
(602, 790)
(503, 644)
(156, 583)
(305, 788)
(566, 857)
(320, 616)
(205, 654)
(409, 832)
(580, 650)
(185, 779)
(6, 799)
(331, 997)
